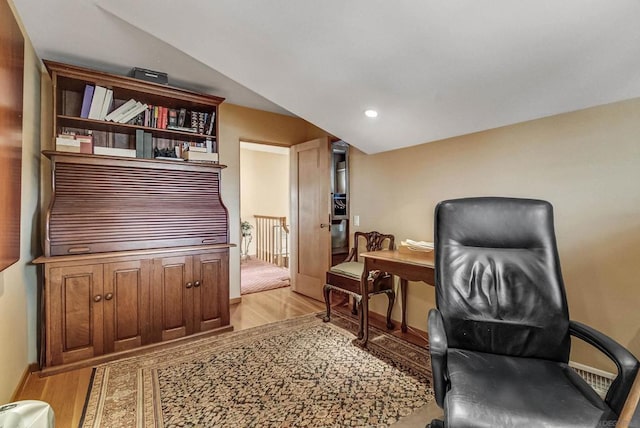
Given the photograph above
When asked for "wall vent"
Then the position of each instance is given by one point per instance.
(599, 380)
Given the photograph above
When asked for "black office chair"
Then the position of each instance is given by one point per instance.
(500, 338)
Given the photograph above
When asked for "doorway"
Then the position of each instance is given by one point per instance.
(264, 216)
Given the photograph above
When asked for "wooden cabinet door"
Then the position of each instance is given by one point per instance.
(126, 305)
(74, 312)
(210, 293)
(172, 297)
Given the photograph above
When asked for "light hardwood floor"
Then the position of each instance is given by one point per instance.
(66, 392)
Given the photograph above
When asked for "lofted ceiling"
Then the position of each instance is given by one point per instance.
(432, 69)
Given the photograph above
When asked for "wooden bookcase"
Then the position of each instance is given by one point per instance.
(69, 83)
(136, 251)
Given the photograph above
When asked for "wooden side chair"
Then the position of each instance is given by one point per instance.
(346, 276)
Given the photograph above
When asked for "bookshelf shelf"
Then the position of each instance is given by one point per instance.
(183, 107)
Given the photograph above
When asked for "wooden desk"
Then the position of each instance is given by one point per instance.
(408, 267)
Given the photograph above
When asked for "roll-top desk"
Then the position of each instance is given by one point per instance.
(135, 252)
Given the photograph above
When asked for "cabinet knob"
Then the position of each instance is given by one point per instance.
(196, 284)
(108, 296)
(97, 298)
(189, 285)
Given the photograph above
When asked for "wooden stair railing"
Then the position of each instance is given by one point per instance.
(272, 240)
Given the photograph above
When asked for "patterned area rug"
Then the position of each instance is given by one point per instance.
(299, 372)
(257, 275)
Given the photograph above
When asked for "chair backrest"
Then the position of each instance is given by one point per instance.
(498, 281)
(373, 241)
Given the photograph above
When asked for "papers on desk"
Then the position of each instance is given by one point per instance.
(417, 245)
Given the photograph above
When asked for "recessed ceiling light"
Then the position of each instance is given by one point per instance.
(371, 113)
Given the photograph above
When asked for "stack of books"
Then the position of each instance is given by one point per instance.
(202, 152)
(74, 143)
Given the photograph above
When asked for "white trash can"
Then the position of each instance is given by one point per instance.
(27, 414)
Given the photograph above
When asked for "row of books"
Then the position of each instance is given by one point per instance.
(191, 151)
(177, 119)
(98, 101)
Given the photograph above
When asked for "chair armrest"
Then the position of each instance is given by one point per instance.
(625, 361)
(438, 349)
(352, 257)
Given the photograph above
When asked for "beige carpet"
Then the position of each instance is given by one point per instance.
(257, 275)
(300, 372)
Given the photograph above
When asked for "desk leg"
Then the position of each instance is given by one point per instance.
(403, 290)
(364, 305)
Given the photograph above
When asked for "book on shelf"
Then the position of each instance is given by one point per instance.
(168, 158)
(86, 101)
(67, 136)
(162, 116)
(139, 143)
(198, 149)
(86, 143)
(120, 110)
(106, 105)
(202, 119)
(159, 121)
(165, 117)
(172, 117)
(67, 143)
(199, 156)
(127, 116)
(148, 145)
(182, 114)
(146, 121)
(113, 151)
(210, 127)
(197, 146)
(97, 101)
(194, 120)
(182, 128)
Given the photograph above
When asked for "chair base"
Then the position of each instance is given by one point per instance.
(357, 300)
(436, 423)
